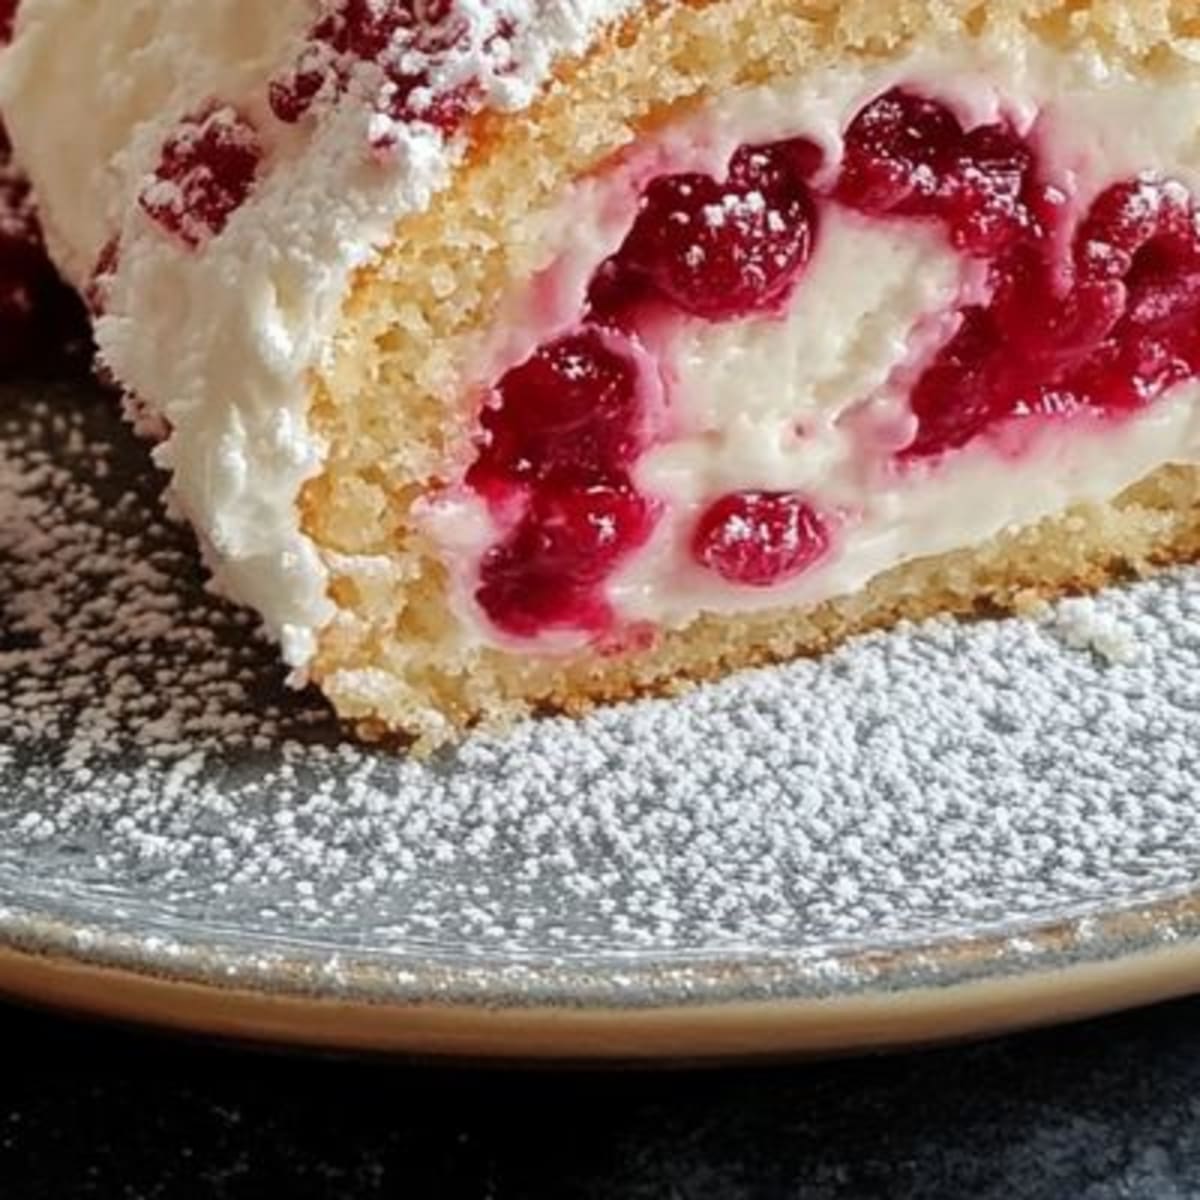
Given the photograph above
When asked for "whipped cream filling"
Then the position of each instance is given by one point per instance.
(781, 402)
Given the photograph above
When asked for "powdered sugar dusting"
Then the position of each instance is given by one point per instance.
(432, 61)
(205, 174)
(1084, 624)
(154, 771)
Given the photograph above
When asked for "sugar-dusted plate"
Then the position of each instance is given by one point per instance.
(935, 832)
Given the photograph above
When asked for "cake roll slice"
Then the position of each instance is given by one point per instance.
(523, 354)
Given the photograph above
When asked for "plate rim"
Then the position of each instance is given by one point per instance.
(917, 995)
(731, 1031)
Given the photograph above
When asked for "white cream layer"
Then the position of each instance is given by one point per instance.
(764, 403)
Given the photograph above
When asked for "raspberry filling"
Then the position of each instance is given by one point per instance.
(907, 156)
(564, 428)
(718, 250)
(1089, 312)
(1104, 332)
(560, 436)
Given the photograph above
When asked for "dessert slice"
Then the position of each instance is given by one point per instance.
(510, 354)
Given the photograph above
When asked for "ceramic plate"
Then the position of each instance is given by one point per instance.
(939, 831)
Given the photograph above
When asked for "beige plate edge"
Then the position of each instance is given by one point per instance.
(735, 1030)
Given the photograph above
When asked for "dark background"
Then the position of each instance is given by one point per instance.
(1106, 1109)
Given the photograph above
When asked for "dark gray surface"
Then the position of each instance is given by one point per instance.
(1105, 1110)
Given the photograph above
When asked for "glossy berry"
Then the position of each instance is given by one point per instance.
(722, 249)
(956, 397)
(906, 155)
(205, 173)
(1131, 218)
(548, 573)
(758, 539)
(572, 411)
(558, 438)
(1143, 237)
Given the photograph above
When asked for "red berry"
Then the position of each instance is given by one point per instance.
(1123, 331)
(898, 151)
(1141, 241)
(955, 399)
(1131, 217)
(725, 249)
(1105, 332)
(408, 44)
(616, 295)
(350, 33)
(206, 172)
(548, 573)
(760, 538)
(992, 197)
(909, 156)
(570, 410)
(565, 427)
